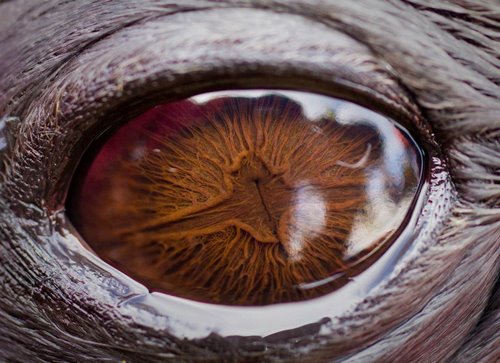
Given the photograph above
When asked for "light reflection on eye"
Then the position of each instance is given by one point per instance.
(248, 197)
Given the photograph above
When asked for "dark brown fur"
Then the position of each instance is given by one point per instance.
(66, 66)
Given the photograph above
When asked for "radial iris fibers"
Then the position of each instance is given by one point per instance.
(248, 197)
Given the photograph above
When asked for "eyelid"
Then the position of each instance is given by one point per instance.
(96, 86)
(113, 89)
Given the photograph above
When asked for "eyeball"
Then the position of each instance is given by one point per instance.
(247, 197)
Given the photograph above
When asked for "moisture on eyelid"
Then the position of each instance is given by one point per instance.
(249, 197)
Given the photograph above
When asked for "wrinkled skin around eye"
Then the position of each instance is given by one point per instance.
(444, 53)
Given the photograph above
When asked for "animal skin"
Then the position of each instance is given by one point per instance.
(69, 70)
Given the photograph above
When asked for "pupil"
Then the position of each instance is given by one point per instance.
(247, 198)
(259, 200)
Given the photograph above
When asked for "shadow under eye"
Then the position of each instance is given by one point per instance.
(248, 197)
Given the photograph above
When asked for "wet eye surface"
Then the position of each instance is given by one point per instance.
(247, 197)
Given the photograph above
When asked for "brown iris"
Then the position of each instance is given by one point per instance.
(237, 200)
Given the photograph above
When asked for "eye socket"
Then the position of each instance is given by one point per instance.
(247, 197)
(70, 108)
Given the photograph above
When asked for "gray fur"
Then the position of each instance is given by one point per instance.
(439, 305)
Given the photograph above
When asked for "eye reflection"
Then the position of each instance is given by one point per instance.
(248, 197)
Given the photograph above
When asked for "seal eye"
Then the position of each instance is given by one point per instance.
(247, 197)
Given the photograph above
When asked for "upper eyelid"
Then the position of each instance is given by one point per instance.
(383, 84)
(73, 116)
(93, 82)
